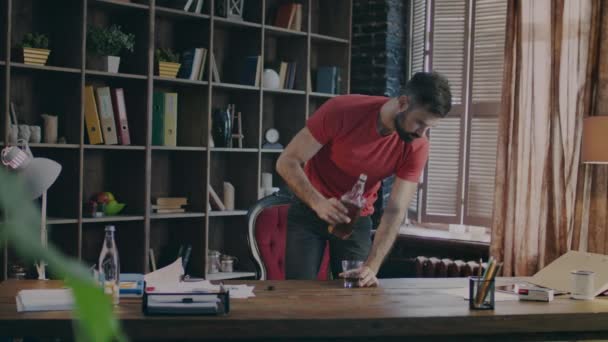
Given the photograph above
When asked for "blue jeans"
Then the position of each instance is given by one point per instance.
(306, 238)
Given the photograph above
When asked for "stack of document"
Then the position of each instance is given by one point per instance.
(169, 280)
(45, 300)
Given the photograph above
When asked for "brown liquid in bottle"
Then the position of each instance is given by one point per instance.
(345, 230)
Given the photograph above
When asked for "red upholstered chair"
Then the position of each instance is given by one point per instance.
(267, 221)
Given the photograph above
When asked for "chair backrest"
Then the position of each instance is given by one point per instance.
(267, 222)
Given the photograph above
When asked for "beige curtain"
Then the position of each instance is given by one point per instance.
(591, 225)
(549, 55)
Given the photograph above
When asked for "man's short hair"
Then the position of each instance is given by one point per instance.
(430, 90)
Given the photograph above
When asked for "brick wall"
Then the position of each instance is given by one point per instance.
(378, 46)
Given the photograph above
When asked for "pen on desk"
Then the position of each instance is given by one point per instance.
(480, 267)
(186, 257)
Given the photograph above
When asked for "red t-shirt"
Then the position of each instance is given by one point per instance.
(346, 127)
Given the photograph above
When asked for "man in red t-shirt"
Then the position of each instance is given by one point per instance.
(347, 136)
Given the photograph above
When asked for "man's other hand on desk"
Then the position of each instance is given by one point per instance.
(367, 277)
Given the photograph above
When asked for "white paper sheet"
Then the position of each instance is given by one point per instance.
(168, 280)
(464, 293)
(44, 300)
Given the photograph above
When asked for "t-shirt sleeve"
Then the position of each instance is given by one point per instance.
(326, 122)
(413, 163)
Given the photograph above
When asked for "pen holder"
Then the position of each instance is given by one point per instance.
(481, 293)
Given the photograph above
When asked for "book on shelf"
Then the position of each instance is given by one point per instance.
(251, 71)
(106, 115)
(91, 117)
(169, 205)
(193, 64)
(164, 119)
(328, 79)
(289, 16)
(214, 70)
(171, 201)
(120, 116)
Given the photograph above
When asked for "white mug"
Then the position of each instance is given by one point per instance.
(583, 285)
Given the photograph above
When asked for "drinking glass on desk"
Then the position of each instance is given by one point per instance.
(481, 293)
(351, 269)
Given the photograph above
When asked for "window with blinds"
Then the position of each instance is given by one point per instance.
(463, 40)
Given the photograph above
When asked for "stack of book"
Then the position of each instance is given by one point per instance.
(289, 16)
(287, 74)
(105, 115)
(193, 64)
(164, 119)
(170, 205)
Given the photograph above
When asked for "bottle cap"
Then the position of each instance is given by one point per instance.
(363, 177)
(110, 228)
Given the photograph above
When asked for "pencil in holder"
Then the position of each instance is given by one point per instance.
(481, 293)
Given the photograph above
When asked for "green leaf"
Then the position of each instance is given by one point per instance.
(21, 228)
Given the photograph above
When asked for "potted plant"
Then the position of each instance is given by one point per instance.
(167, 63)
(105, 45)
(34, 48)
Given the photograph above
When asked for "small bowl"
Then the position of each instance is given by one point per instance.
(113, 208)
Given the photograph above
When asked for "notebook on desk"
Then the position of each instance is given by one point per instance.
(44, 300)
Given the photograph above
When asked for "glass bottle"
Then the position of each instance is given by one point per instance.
(109, 266)
(354, 202)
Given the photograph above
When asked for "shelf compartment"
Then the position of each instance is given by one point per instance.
(60, 20)
(288, 49)
(229, 235)
(285, 113)
(166, 237)
(272, 8)
(268, 165)
(324, 20)
(64, 237)
(238, 170)
(249, 106)
(129, 238)
(130, 21)
(135, 97)
(34, 94)
(177, 36)
(180, 174)
(192, 124)
(232, 46)
(323, 55)
(62, 196)
(119, 172)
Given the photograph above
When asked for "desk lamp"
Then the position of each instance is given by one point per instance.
(38, 174)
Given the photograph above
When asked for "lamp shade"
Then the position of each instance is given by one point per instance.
(39, 175)
(595, 140)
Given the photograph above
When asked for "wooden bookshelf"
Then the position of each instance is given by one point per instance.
(138, 173)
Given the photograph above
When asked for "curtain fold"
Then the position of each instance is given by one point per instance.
(550, 50)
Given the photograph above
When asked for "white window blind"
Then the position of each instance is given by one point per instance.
(442, 177)
(486, 90)
(467, 46)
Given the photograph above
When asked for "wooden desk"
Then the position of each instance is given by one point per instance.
(310, 309)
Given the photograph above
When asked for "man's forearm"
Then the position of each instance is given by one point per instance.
(385, 237)
(296, 179)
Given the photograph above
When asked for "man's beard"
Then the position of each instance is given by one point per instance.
(408, 137)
